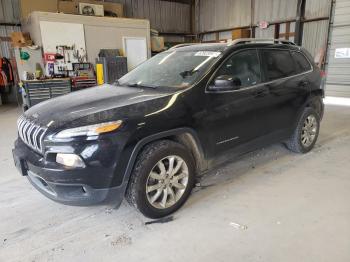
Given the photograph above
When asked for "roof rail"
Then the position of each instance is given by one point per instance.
(261, 40)
(182, 45)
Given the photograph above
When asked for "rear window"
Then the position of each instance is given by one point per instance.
(301, 63)
(278, 64)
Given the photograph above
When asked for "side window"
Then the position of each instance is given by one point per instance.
(301, 63)
(243, 67)
(278, 64)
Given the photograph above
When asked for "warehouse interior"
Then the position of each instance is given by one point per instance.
(268, 205)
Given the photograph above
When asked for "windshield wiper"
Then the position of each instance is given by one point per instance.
(139, 85)
(188, 73)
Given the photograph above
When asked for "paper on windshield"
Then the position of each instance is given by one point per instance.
(207, 53)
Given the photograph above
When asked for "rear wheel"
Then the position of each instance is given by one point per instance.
(306, 132)
(162, 179)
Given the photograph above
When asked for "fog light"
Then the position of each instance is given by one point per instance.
(71, 160)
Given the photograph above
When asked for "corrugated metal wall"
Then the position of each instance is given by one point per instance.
(315, 36)
(9, 11)
(274, 10)
(5, 46)
(317, 8)
(164, 16)
(338, 73)
(315, 33)
(223, 14)
(9, 14)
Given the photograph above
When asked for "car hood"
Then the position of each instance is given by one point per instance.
(90, 101)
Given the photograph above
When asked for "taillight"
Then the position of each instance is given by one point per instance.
(323, 74)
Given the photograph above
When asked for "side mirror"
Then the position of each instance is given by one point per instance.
(225, 83)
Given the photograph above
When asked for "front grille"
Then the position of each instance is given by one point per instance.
(31, 133)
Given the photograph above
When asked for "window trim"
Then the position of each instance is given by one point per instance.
(290, 52)
(264, 82)
(264, 66)
(301, 53)
(223, 62)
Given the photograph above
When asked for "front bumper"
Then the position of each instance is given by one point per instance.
(76, 194)
(84, 186)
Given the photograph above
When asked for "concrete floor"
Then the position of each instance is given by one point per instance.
(272, 205)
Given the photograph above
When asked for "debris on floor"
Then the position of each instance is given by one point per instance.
(122, 240)
(160, 221)
(108, 210)
(238, 226)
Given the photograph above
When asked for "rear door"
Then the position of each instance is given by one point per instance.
(288, 90)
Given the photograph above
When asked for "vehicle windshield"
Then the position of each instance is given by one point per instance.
(178, 69)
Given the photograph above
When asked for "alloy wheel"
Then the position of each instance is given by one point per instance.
(167, 182)
(309, 131)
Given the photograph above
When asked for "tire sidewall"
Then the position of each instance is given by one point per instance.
(141, 199)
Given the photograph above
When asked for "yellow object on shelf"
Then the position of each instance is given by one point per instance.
(99, 74)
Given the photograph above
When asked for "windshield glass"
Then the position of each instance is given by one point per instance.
(171, 69)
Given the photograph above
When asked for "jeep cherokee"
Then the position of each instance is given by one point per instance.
(172, 118)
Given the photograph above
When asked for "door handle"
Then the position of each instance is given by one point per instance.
(304, 83)
(260, 92)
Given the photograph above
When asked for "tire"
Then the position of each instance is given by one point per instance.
(148, 174)
(296, 142)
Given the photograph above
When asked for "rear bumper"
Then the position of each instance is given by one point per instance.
(81, 187)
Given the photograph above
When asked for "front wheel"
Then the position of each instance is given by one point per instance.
(306, 133)
(162, 179)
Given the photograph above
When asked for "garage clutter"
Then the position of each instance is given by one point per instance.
(69, 45)
(84, 7)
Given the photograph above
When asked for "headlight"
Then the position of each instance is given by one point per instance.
(91, 130)
(71, 160)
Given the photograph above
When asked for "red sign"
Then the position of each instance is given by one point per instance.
(263, 24)
(49, 57)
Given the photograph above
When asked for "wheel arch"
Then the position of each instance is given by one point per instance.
(315, 101)
(185, 136)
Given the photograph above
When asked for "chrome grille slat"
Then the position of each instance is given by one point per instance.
(20, 129)
(31, 134)
(30, 137)
(24, 130)
(35, 137)
(41, 137)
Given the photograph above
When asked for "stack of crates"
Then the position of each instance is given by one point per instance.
(114, 65)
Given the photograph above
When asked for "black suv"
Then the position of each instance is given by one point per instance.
(179, 114)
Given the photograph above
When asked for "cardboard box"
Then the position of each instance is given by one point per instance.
(114, 8)
(72, 7)
(67, 7)
(157, 43)
(28, 6)
(240, 33)
(19, 39)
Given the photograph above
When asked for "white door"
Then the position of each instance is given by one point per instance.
(135, 49)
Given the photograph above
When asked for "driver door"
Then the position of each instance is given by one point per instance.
(235, 117)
